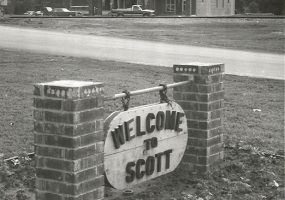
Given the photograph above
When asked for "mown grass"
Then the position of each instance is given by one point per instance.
(19, 70)
(242, 175)
(265, 35)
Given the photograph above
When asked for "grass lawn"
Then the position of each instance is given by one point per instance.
(243, 175)
(264, 35)
(20, 70)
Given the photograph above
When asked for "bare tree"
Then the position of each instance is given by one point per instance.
(91, 4)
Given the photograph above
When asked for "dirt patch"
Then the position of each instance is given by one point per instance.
(244, 174)
(241, 34)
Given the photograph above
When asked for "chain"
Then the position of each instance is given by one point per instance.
(126, 100)
(163, 96)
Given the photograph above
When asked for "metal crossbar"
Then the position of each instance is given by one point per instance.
(147, 90)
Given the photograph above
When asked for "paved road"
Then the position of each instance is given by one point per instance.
(134, 51)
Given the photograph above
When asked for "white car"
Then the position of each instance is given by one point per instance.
(39, 13)
(30, 13)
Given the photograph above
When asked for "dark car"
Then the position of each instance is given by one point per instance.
(47, 11)
(30, 13)
(64, 12)
(82, 9)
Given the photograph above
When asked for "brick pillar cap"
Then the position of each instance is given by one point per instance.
(69, 89)
(199, 68)
(200, 64)
(70, 83)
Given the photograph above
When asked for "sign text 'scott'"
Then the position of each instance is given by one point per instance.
(143, 143)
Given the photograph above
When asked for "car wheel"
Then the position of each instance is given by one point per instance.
(120, 15)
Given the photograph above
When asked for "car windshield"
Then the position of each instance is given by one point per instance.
(137, 8)
(49, 9)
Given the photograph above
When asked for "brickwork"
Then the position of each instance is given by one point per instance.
(69, 140)
(203, 101)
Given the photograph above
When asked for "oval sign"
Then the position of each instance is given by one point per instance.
(143, 143)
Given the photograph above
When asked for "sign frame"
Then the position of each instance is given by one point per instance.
(143, 143)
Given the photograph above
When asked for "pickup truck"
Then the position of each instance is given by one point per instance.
(134, 10)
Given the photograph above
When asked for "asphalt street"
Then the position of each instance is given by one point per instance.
(236, 62)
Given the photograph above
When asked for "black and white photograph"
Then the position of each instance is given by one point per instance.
(142, 99)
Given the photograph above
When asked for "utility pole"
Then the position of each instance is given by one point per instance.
(98, 5)
(95, 7)
(91, 4)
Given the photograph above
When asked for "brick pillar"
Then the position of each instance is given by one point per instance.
(202, 101)
(69, 140)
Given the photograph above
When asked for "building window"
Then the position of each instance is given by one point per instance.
(223, 3)
(217, 3)
(228, 1)
(170, 5)
(184, 6)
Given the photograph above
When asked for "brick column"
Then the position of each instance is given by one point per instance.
(202, 101)
(69, 140)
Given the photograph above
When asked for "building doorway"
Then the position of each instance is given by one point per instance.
(183, 7)
(193, 7)
(189, 7)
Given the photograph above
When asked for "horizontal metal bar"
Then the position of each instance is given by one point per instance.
(147, 90)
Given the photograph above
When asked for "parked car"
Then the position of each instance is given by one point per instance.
(30, 13)
(47, 11)
(134, 10)
(39, 13)
(63, 12)
(83, 9)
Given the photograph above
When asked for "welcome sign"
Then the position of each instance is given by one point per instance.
(143, 143)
